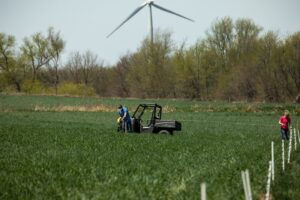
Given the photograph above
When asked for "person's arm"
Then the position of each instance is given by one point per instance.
(280, 122)
(125, 114)
(125, 110)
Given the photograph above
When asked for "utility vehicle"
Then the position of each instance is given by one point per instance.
(147, 119)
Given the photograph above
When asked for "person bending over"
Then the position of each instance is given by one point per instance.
(124, 114)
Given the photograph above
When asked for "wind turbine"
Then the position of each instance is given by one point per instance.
(148, 3)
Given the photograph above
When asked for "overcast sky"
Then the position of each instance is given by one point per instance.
(84, 24)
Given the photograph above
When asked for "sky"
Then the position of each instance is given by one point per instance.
(84, 24)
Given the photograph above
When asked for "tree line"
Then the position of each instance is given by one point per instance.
(235, 61)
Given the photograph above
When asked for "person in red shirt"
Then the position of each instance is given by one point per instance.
(285, 122)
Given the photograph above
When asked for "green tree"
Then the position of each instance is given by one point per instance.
(242, 81)
(292, 59)
(151, 74)
(247, 33)
(187, 71)
(270, 78)
(37, 51)
(7, 48)
(209, 69)
(221, 40)
(10, 64)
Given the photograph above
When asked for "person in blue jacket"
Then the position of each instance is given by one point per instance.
(124, 114)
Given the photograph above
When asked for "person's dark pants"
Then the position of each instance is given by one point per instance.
(127, 126)
(285, 134)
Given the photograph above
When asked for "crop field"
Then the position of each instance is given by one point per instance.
(68, 148)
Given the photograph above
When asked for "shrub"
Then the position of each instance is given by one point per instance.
(2, 83)
(35, 87)
(76, 89)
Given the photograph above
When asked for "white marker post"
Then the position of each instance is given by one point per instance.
(282, 141)
(298, 137)
(246, 184)
(203, 191)
(273, 165)
(290, 146)
(295, 139)
(269, 181)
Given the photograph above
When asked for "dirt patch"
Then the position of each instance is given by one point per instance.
(5, 110)
(90, 108)
(81, 108)
(263, 197)
(168, 109)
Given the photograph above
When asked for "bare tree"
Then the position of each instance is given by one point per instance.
(56, 48)
(82, 67)
(73, 66)
(89, 64)
(120, 75)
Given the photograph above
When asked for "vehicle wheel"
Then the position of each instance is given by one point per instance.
(165, 132)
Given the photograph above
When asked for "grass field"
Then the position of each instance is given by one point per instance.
(56, 148)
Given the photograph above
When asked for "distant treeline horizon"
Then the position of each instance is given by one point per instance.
(235, 61)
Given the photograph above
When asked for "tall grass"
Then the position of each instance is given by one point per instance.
(30, 103)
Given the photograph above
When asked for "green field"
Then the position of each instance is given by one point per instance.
(48, 153)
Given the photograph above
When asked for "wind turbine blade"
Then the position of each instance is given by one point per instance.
(169, 11)
(128, 18)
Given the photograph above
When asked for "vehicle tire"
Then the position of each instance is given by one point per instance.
(164, 132)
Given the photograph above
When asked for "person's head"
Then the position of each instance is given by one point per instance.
(286, 113)
(120, 108)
